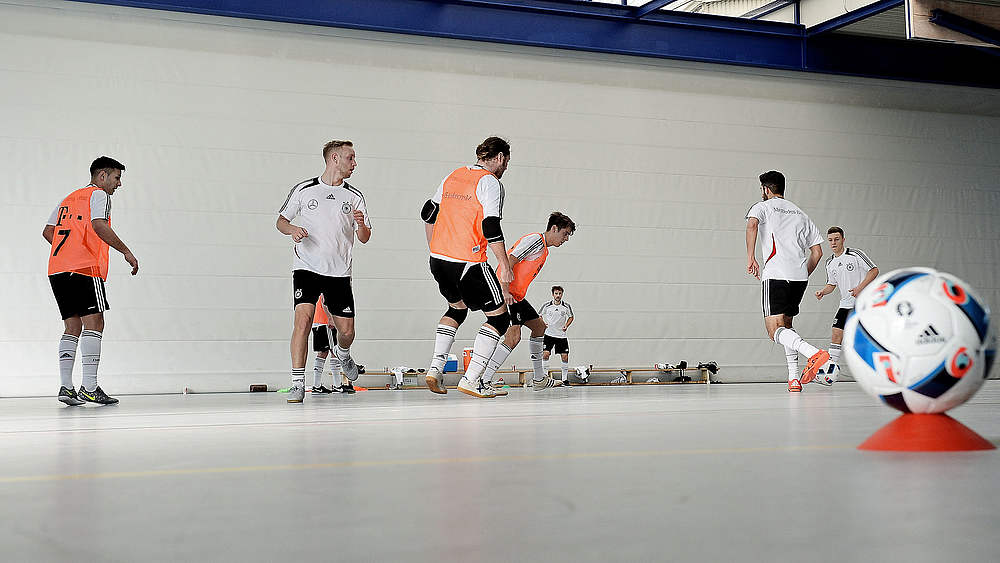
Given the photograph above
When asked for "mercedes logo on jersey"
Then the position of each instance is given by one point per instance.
(313, 204)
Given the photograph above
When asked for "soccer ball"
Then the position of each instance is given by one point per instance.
(920, 340)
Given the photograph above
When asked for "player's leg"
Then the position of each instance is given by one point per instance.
(510, 340)
(481, 290)
(306, 288)
(321, 345)
(548, 343)
(91, 290)
(828, 375)
(339, 298)
(540, 379)
(564, 356)
(68, 343)
(784, 297)
(448, 276)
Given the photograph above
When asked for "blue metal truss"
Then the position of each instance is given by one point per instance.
(965, 26)
(853, 17)
(628, 30)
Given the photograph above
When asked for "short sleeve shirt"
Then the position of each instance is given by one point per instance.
(846, 272)
(786, 234)
(100, 208)
(327, 214)
(556, 316)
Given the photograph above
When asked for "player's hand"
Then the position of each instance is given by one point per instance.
(359, 218)
(299, 233)
(753, 269)
(506, 275)
(507, 297)
(819, 295)
(132, 261)
(854, 292)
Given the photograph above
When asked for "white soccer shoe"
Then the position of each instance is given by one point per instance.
(435, 381)
(477, 389)
(546, 383)
(497, 389)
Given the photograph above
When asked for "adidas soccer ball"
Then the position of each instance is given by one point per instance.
(919, 340)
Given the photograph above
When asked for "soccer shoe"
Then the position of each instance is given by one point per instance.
(544, 384)
(69, 396)
(435, 381)
(816, 361)
(96, 396)
(477, 389)
(794, 386)
(350, 369)
(321, 390)
(498, 391)
(347, 388)
(296, 393)
(527, 382)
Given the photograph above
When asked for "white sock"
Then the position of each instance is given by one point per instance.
(299, 376)
(67, 356)
(334, 365)
(318, 367)
(545, 366)
(343, 354)
(535, 346)
(791, 339)
(90, 351)
(442, 345)
(792, 359)
(565, 370)
(483, 348)
(834, 353)
(496, 360)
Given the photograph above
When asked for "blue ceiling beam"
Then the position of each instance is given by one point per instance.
(649, 7)
(853, 16)
(611, 28)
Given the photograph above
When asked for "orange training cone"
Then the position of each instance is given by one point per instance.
(925, 433)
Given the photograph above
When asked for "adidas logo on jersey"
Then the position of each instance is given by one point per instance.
(331, 196)
(930, 335)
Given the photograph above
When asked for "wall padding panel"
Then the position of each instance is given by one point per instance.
(656, 160)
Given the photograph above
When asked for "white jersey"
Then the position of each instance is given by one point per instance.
(100, 207)
(327, 213)
(786, 234)
(846, 272)
(556, 316)
(489, 192)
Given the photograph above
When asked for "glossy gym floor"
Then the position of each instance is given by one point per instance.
(739, 472)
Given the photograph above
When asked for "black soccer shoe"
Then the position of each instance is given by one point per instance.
(96, 396)
(69, 396)
(321, 390)
(348, 388)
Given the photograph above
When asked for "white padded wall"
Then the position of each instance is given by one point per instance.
(657, 161)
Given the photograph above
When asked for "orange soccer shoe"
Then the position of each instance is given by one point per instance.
(794, 386)
(816, 361)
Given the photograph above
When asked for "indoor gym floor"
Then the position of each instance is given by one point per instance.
(741, 472)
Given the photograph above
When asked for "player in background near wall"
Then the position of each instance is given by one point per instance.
(79, 234)
(558, 315)
(851, 270)
(792, 247)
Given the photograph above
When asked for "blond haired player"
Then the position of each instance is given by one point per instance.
(79, 234)
(329, 213)
(527, 257)
(462, 219)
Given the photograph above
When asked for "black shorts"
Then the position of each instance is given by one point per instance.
(322, 336)
(782, 297)
(78, 295)
(841, 319)
(475, 284)
(561, 345)
(522, 312)
(337, 293)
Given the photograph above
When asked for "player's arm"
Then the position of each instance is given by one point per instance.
(48, 233)
(363, 229)
(286, 227)
(815, 255)
(108, 235)
(827, 290)
(752, 268)
(490, 195)
(872, 274)
(569, 321)
(430, 211)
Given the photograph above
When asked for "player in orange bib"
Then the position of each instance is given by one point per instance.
(527, 257)
(463, 219)
(79, 234)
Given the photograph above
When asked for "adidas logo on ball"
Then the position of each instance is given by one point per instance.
(930, 335)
